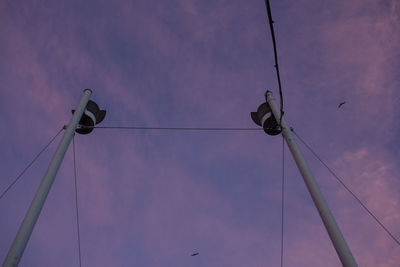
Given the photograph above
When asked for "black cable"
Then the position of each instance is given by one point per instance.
(30, 164)
(348, 189)
(271, 26)
(283, 197)
(76, 203)
(175, 128)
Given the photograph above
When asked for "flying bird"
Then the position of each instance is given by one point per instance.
(195, 254)
(341, 104)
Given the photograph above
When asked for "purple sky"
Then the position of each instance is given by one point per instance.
(151, 198)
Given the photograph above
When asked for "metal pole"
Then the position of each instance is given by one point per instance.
(25, 230)
(336, 236)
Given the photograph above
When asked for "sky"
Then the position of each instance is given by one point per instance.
(152, 198)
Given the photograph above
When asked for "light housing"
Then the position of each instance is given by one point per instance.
(90, 117)
(265, 118)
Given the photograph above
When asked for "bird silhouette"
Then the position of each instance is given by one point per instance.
(195, 254)
(341, 104)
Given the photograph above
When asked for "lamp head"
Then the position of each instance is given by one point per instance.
(265, 118)
(90, 117)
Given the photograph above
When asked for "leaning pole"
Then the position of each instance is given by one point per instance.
(25, 230)
(267, 116)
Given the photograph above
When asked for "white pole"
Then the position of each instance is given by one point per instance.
(21, 239)
(336, 236)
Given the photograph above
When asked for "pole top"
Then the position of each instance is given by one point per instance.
(268, 92)
(87, 89)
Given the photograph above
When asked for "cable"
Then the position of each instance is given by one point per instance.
(76, 202)
(283, 197)
(271, 26)
(348, 189)
(175, 128)
(30, 164)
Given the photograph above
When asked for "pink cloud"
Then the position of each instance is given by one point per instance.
(363, 47)
(202, 66)
(370, 177)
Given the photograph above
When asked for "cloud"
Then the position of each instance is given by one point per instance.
(151, 197)
(371, 177)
